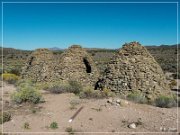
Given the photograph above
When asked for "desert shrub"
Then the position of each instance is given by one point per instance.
(26, 92)
(10, 78)
(108, 93)
(172, 84)
(15, 70)
(54, 125)
(88, 93)
(6, 116)
(33, 110)
(44, 85)
(74, 103)
(75, 87)
(176, 75)
(98, 94)
(176, 99)
(58, 89)
(24, 83)
(70, 130)
(137, 97)
(26, 125)
(165, 102)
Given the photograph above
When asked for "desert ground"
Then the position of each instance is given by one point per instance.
(98, 116)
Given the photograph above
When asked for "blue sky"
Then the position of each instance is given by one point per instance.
(31, 26)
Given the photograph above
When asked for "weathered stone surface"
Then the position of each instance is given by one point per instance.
(74, 64)
(39, 66)
(134, 69)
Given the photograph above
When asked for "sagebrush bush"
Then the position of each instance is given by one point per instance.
(62, 87)
(165, 102)
(14, 70)
(88, 93)
(10, 78)
(176, 99)
(58, 89)
(75, 102)
(137, 97)
(75, 87)
(22, 82)
(26, 92)
(5, 117)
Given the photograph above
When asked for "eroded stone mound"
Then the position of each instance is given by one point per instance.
(76, 64)
(134, 69)
(39, 66)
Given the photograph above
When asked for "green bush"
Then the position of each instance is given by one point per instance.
(137, 97)
(27, 92)
(75, 87)
(5, 117)
(165, 102)
(15, 70)
(54, 125)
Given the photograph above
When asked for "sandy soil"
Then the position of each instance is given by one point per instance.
(96, 116)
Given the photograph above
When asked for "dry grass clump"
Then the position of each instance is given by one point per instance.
(74, 103)
(137, 97)
(10, 78)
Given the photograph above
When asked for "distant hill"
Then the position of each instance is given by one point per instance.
(162, 46)
(55, 49)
